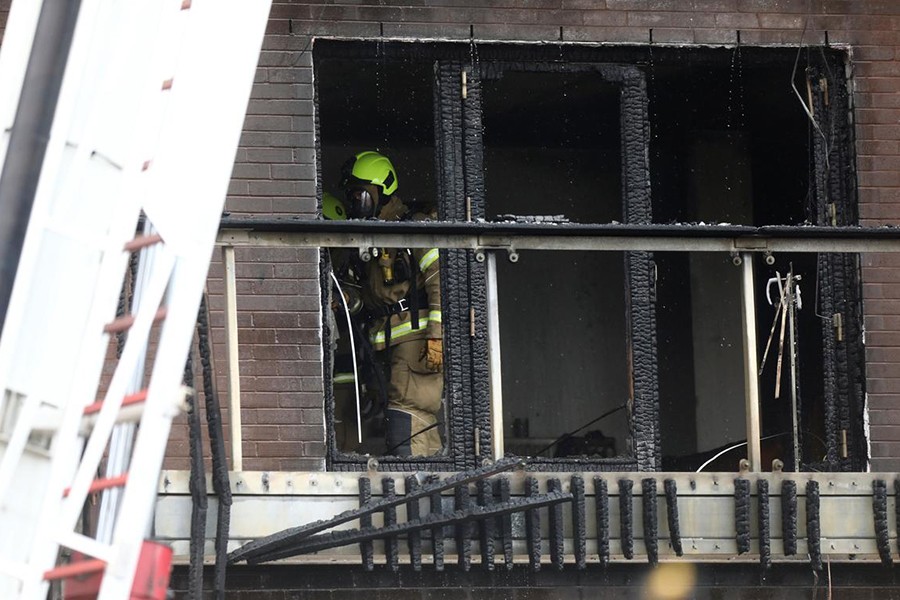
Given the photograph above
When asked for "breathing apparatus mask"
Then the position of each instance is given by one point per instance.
(361, 203)
(369, 180)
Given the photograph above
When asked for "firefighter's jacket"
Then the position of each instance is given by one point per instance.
(377, 295)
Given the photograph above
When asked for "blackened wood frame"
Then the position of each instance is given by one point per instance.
(839, 294)
(466, 285)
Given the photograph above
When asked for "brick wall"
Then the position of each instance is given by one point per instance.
(275, 173)
(275, 164)
(280, 111)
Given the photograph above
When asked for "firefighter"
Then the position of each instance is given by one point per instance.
(401, 290)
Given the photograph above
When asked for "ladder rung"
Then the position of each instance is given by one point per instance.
(104, 483)
(81, 567)
(142, 241)
(86, 545)
(125, 322)
(130, 399)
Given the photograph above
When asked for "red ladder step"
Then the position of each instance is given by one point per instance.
(142, 241)
(126, 321)
(76, 568)
(104, 483)
(135, 398)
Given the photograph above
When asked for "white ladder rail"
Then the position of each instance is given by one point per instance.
(63, 513)
(122, 441)
(183, 194)
(73, 112)
(219, 74)
(139, 495)
(139, 335)
(61, 174)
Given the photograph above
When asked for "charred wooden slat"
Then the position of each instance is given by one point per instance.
(813, 528)
(742, 514)
(672, 516)
(765, 542)
(339, 538)
(365, 547)
(897, 507)
(501, 486)
(533, 526)
(462, 503)
(789, 517)
(437, 533)
(651, 523)
(486, 526)
(391, 545)
(626, 517)
(557, 535)
(601, 498)
(414, 539)
(879, 512)
(220, 478)
(579, 526)
(288, 536)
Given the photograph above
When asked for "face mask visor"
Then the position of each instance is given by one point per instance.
(361, 203)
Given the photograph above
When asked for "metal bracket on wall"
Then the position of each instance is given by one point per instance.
(511, 253)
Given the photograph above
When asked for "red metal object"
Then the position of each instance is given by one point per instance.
(103, 483)
(127, 401)
(76, 568)
(151, 579)
(143, 241)
(125, 322)
(84, 585)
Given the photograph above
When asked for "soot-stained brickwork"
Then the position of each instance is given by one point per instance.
(275, 173)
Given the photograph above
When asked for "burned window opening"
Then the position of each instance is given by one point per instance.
(384, 106)
(724, 111)
(552, 146)
(736, 131)
(533, 165)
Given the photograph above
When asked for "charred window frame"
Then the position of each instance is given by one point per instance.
(642, 401)
(371, 65)
(820, 156)
(840, 299)
(458, 72)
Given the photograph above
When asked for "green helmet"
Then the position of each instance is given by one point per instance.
(371, 167)
(332, 208)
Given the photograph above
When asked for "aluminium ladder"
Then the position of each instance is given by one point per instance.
(149, 115)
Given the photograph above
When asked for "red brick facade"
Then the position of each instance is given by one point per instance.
(275, 173)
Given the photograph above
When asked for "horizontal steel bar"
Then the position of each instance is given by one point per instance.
(563, 236)
(345, 483)
(706, 517)
(695, 550)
